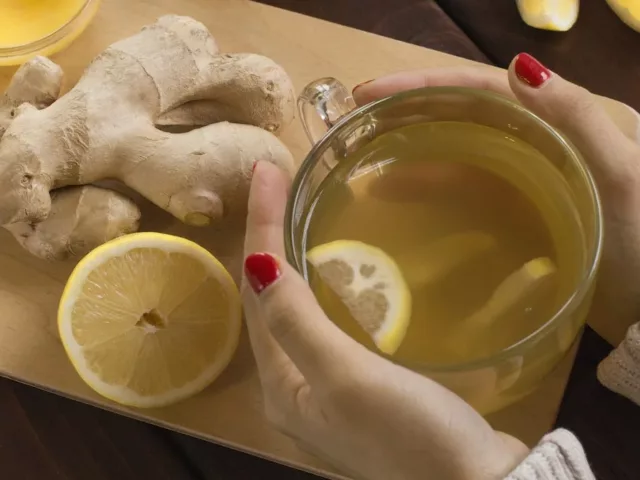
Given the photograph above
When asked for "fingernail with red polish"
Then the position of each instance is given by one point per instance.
(261, 270)
(253, 169)
(361, 84)
(531, 71)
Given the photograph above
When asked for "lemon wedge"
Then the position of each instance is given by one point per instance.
(557, 15)
(517, 288)
(628, 11)
(149, 319)
(370, 284)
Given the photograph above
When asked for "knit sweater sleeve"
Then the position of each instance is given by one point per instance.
(558, 456)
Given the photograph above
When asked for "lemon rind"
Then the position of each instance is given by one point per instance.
(625, 15)
(168, 243)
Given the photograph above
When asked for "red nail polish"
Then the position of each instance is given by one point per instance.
(361, 84)
(531, 71)
(261, 270)
(253, 169)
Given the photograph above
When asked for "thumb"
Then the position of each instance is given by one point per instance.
(575, 112)
(295, 319)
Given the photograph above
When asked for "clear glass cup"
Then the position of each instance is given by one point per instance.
(337, 128)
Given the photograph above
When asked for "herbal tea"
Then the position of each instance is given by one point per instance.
(481, 226)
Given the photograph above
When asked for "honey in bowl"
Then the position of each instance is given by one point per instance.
(40, 27)
(26, 21)
(485, 232)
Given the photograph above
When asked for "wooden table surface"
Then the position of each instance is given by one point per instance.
(45, 437)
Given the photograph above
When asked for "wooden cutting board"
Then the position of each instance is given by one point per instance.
(229, 412)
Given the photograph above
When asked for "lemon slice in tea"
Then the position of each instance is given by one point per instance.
(149, 319)
(515, 289)
(370, 284)
(558, 15)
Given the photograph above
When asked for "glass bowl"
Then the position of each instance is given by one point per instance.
(52, 41)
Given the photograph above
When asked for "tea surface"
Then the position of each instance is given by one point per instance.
(461, 208)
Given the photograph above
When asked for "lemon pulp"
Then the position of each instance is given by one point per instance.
(370, 284)
(149, 319)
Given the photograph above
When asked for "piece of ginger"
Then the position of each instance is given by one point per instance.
(37, 82)
(81, 218)
(105, 127)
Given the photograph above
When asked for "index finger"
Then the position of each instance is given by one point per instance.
(481, 77)
(267, 204)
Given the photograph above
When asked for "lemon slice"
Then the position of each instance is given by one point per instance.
(371, 286)
(149, 319)
(518, 287)
(628, 11)
(558, 15)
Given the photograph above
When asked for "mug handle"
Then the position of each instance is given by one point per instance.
(321, 105)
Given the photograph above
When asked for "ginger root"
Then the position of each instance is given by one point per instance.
(106, 127)
(81, 218)
(37, 82)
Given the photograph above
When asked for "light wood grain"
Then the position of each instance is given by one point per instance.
(229, 411)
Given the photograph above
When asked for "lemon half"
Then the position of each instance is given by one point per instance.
(558, 15)
(149, 319)
(370, 284)
(628, 11)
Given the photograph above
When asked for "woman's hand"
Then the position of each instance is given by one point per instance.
(367, 416)
(613, 158)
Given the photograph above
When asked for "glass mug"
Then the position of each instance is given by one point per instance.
(336, 128)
